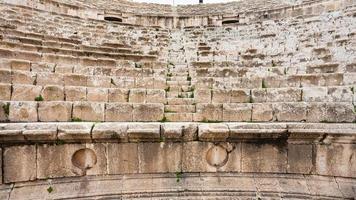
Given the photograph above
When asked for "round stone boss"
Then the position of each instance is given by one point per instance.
(84, 159)
(217, 156)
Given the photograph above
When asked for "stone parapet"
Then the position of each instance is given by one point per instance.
(36, 151)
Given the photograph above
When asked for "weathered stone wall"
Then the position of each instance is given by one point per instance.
(34, 152)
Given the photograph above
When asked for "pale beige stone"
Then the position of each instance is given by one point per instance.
(22, 77)
(265, 157)
(137, 96)
(99, 81)
(148, 112)
(336, 160)
(262, 112)
(88, 111)
(19, 163)
(23, 112)
(240, 96)
(5, 92)
(97, 94)
(75, 93)
(54, 111)
(221, 96)
(237, 112)
(209, 112)
(59, 161)
(300, 158)
(49, 79)
(290, 111)
(123, 158)
(111, 132)
(118, 95)
(197, 158)
(142, 132)
(75, 80)
(118, 112)
(213, 132)
(53, 93)
(160, 157)
(25, 92)
(202, 96)
(5, 76)
(156, 96)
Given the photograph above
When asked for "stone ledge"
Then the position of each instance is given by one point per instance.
(190, 131)
(187, 186)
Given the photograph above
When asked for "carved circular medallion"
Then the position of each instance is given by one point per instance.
(217, 156)
(84, 159)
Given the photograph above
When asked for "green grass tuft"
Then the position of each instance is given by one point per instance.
(50, 189)
(39, 98)
(76, 119)
(6, 108)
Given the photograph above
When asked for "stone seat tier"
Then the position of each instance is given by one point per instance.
(150, 111)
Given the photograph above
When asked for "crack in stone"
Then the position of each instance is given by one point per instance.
(12, 188)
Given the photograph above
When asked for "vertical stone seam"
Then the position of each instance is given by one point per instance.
(107, 157)
(2, 165)
(338, 187)
(36, 148)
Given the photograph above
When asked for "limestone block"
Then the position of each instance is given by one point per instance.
(25, 92)
(99, 81)
(202, 96)
(5, 92)
(221, 96)
(179, 131)
(42, 67)
(75, 80)
(213, 132)
(63, 69)
(237, 112)
(116, 132)
(159, 83)
(284, 95)
(336, 160)
(209, 112)
(53, 93)
(71, 160)
(49, 79)
(43, 132)
(259, 95)
(148, 112)
(318, 184)
(23, 112)
(300, 158)
(290, 112)
(156, 96)
(118, 95)
(19, 163)
(315, 94)
(75, 93)
(141, 132)
(336, 79)
(339, 94)
(208, 157)
(54, 111)
(257, 157)
(240, 96)
(123, 82)
(349, 79)
(97, 94)
(262, 112)
(5, 76)
(123, 158)
(311, 80)
(21, 77)
(22, 65)
(72, 131)
(117, 112)
(330, 112)
(160, 157)
(88, 111)
(137, 96)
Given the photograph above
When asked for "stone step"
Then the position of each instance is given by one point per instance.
(179, 117)
(179, 108)
(180, 101)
